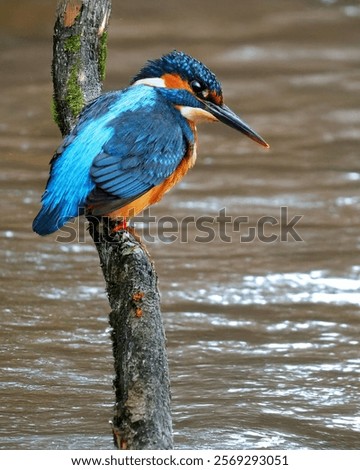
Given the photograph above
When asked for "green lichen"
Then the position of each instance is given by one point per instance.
(73, 44)
(102, 55)
(74, 96)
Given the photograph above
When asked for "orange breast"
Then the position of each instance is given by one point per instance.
(157, 192)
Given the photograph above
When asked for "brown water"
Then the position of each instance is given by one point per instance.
(263, 338)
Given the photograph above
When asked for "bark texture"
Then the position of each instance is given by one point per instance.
(79, 57)
(142, 412)
(142, 418)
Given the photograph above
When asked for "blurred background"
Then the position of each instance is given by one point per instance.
(263, 338)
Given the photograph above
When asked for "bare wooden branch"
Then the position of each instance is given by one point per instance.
(79, 57)
(142, 417)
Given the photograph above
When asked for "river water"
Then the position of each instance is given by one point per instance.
(262, 320)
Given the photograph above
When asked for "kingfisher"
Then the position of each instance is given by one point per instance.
(130, 147)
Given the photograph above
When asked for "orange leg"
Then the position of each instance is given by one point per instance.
(121, 224)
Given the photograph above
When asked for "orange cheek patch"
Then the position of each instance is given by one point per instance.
(215, 98)
(175, 81)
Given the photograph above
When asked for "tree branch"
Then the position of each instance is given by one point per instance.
(142, 417)
(79, 56)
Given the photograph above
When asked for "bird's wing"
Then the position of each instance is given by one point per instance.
(147, 145)
(123, 144)
(69, 182)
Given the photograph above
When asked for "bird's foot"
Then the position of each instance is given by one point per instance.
(121, 224)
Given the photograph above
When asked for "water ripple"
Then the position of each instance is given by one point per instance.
(278, 288)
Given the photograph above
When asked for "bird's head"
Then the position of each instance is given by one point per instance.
(179, 71)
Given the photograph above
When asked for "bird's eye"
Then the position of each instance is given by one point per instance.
(199, 89)
(196, 86)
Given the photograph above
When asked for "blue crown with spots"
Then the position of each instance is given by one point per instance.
(182, 64)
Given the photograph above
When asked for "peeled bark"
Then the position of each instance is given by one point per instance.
(142, 418)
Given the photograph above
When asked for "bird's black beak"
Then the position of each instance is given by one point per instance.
(228, 117)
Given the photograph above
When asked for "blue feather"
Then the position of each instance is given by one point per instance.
(129, 141)
(182, 64)
(70, 182)
(124, 144)
(134, 161)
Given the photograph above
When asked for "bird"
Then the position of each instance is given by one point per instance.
(131, 146)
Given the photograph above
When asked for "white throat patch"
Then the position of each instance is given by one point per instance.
(196, 114)
(157, 82)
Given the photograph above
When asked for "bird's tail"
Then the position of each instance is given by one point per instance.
(48, 221)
